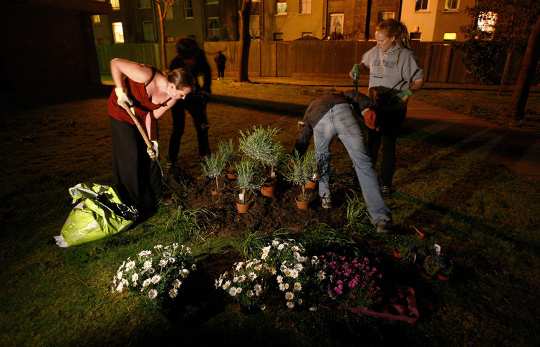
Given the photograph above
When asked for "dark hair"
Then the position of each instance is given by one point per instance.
(187, 48)
(179, 77)
(396, 30)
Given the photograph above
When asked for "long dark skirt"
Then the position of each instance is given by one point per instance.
(133, 177)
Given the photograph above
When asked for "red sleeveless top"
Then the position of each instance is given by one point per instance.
(142, 102)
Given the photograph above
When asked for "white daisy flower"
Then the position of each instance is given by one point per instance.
(152, 293)
(279, 279)
(226, 285)
(163, 262)
(289, 296)
(297, 286)
(232, 291)
(173, 293)
(134, 277)
(145, 253)
(147, 264)
(130, 265)
(156, 279)
(177, 283)
(290, 304)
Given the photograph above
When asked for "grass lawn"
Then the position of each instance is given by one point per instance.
(480, 212)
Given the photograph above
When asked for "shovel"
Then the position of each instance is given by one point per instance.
(156, 173)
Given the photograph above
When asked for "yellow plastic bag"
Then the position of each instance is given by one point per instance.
(98, 213)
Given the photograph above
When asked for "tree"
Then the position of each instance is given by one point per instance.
(514, 18)
(162, 6)
(245, 40)
(526, 73)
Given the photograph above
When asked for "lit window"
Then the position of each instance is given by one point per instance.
(486, 21)
(384, 15)
(254, 26)
(281, 8)
(449, 36)
(118, 32)
(148, 31)
(214, 27)
(421, 5)
(212, 2)
(143, 4)
(336, 23)
(451, 5)
(278, 36)
(115, 4)
(96, 19)
(188, 9)
(305, 6)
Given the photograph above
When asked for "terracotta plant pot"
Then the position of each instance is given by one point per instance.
(310, 185)
(242, 208)
(442, 277)
(302, 204)
(267, 190)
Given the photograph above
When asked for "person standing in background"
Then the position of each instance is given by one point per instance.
(393, 76)
(220, 60)
(192, 58)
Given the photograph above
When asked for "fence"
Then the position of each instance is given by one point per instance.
(442, 62)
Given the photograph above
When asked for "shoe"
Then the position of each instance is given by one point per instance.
(383, 227)
(326, 202)
(387, 191)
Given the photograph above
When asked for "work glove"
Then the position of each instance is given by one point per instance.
(153, 152)
(122, 99)
(370, 118)
(404, 94)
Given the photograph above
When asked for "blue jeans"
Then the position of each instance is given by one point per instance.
(340, 121)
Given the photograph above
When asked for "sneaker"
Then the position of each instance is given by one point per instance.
(387, 191)
(326, 202)
(383, 227)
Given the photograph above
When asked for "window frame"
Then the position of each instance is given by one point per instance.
(278, 2)
(420, 9)
(451, 9)
(186, 9)
(301, 7)
(153, 30)
(114, 26)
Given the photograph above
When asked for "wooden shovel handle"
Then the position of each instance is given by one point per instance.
(131, 113)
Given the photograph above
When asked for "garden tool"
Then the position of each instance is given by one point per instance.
(356, 77)
(156, 172)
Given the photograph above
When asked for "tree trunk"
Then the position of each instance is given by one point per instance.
(506, 70)
(526, 73)
(245, 41)
(161, 18)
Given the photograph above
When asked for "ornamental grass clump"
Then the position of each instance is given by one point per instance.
(352, 282)
(260, 145)
(310, 165)
(297, 173)
(213, 166)
(249, 179)
(156, 273)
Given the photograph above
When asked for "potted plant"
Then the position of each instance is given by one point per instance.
(437, 265)
(226, 150)
(297, 174)
(310, 166)
(259, 144)
(212, 167)
(403, 248)
(249, 179)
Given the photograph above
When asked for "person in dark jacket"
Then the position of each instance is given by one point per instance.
(193, 59)
(220, 60)
(334, 115)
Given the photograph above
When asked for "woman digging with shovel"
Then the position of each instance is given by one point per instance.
(141, 96)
